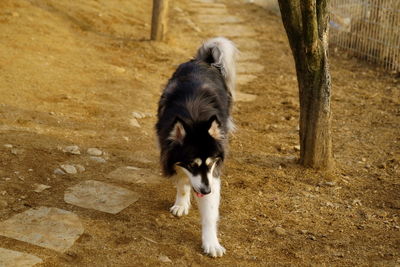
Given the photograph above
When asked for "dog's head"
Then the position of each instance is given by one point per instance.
(197, 148)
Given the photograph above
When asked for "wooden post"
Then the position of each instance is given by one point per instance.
(159, 20)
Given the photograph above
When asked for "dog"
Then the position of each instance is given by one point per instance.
(194, 121)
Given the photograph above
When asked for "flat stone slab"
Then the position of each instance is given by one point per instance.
(244, 97)
(248, 55)
(249, 67)
(204, 1)
(51, 228)
(212, 19)
(243, 79)
(12, 258)
(135, 175)
(207, 5)
(100, 196)
(233, 30)
(246, 44)
(210, 10)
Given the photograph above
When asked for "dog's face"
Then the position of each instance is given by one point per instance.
(198, 150)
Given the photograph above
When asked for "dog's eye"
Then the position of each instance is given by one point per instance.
(211, 161)
(195, 163)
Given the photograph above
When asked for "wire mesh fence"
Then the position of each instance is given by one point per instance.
(370, 29)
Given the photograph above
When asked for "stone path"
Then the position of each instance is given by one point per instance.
(11, 258)
(58, 229)
(51, 228)
(232, 27)
(100, 196)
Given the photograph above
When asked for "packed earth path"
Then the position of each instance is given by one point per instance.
(80, 181)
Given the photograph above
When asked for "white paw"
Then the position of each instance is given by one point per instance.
(214, 249)
(179, 210)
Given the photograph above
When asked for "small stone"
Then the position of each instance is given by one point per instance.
(296, 148)
(80, 168)
(357, 202)
(138, 115)
(381, 213)
(330, 183)
(16, 151)
(133, 122)
(312, 237)
(304, 232)
(120, 70)
(98, 159)
(330, 204)
(382, 166)
(280, 231)
(363, 159)
(58, 171)
(40, 187)
(69, 169)
(164, 259)
(72, 150)
(8, 145)
(94, 151)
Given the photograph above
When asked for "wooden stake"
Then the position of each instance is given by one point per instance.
(159, 20)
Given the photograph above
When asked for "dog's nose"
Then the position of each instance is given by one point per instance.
(205, 190)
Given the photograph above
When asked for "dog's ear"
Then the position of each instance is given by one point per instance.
(215, 128)
(178, 132)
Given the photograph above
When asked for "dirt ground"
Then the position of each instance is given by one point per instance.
(72, 72)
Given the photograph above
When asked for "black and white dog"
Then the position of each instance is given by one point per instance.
(193, 123)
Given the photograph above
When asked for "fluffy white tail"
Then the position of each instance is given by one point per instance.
(221, 53)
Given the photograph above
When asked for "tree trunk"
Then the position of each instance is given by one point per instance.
(306, 25)
(159, 20)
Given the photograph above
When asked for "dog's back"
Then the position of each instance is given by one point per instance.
(199, 89)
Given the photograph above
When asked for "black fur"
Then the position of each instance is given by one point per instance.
(195, 96)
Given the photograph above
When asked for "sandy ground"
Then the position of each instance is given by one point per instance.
(72, 72)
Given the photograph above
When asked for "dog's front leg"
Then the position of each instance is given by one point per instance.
(209, 210)
(182, 201)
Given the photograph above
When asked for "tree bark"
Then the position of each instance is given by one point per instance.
(306, 25)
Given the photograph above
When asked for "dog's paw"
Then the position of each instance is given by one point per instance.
(214, 249)
(179, 210)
